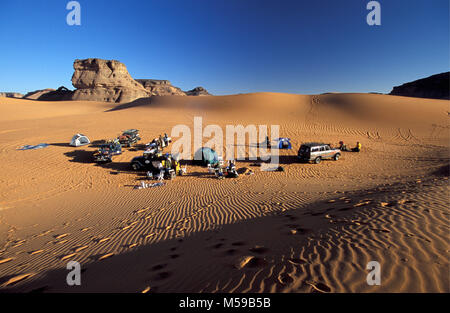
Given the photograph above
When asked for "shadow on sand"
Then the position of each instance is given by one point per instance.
(136, 103)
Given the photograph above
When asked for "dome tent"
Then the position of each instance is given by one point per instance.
(79, 140)
(206, 156)
(284, 143)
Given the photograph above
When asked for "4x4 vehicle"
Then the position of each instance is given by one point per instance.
(107, 150)
(155, 162)
(129, 137)
(316, 152)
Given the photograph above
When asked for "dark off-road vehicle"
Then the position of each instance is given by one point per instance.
(157, 164)
(107, 150)
(129, 137)
(317, 152)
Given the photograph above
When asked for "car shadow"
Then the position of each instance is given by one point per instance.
(60, 144)
(80, 156)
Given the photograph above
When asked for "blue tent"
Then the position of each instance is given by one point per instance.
(284, 143)
(206, 156)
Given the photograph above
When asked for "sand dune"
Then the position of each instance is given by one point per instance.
(311, 228)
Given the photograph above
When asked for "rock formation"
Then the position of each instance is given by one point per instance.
(105, 80)
(35, 95)
(435, 87)
(60, 94)
(160, 87)
(198, 91)
(108, 81)
(11, 95)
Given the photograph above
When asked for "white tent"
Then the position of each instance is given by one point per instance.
(79, 140)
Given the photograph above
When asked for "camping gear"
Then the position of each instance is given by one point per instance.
(284, 143)
(219, 173)
(206, 156)
(269, 167)
(107, 150)
(231, 170)
(34, 147)
(79, 140)
(129, 137)
(144, 185)
(160, 175)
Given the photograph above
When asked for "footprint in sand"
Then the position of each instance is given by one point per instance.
(296, 261)
(174, 256)
(146, 236)
(79, 248)
(68, 256)
(158, 267)
(319, 287)
(141, 210)
(18, 243)
(11, 280)
(295, 229)
(259, 249)
(381, 230)
(238, 243)
(217, 246)
(36, 252)
(60, 236)
(230, 252)
(285, 279)
(291, 218)
(345, 209)
(162, 276)
(42, 234)
(40, 289)
(125, 227)
(250, 262)
(2, 261)
(105, 256)
(98, 240)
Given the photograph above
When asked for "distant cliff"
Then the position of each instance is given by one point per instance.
(434, 87)
(11, 94)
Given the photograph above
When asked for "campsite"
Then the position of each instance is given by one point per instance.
(269, 231)
(201, 152)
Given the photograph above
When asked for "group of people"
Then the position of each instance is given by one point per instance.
(343, 147)
(160, 142)
(164, 165)
(222, 172)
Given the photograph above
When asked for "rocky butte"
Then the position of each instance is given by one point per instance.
(109, 80)
(105, 80)
(434, 87)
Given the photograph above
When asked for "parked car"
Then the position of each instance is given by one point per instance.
(317, 152)
(107, 150)
(129, 137)
(155, 162)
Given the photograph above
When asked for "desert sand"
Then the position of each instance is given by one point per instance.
(311, 228)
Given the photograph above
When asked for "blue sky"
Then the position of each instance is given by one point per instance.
(228, 46)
